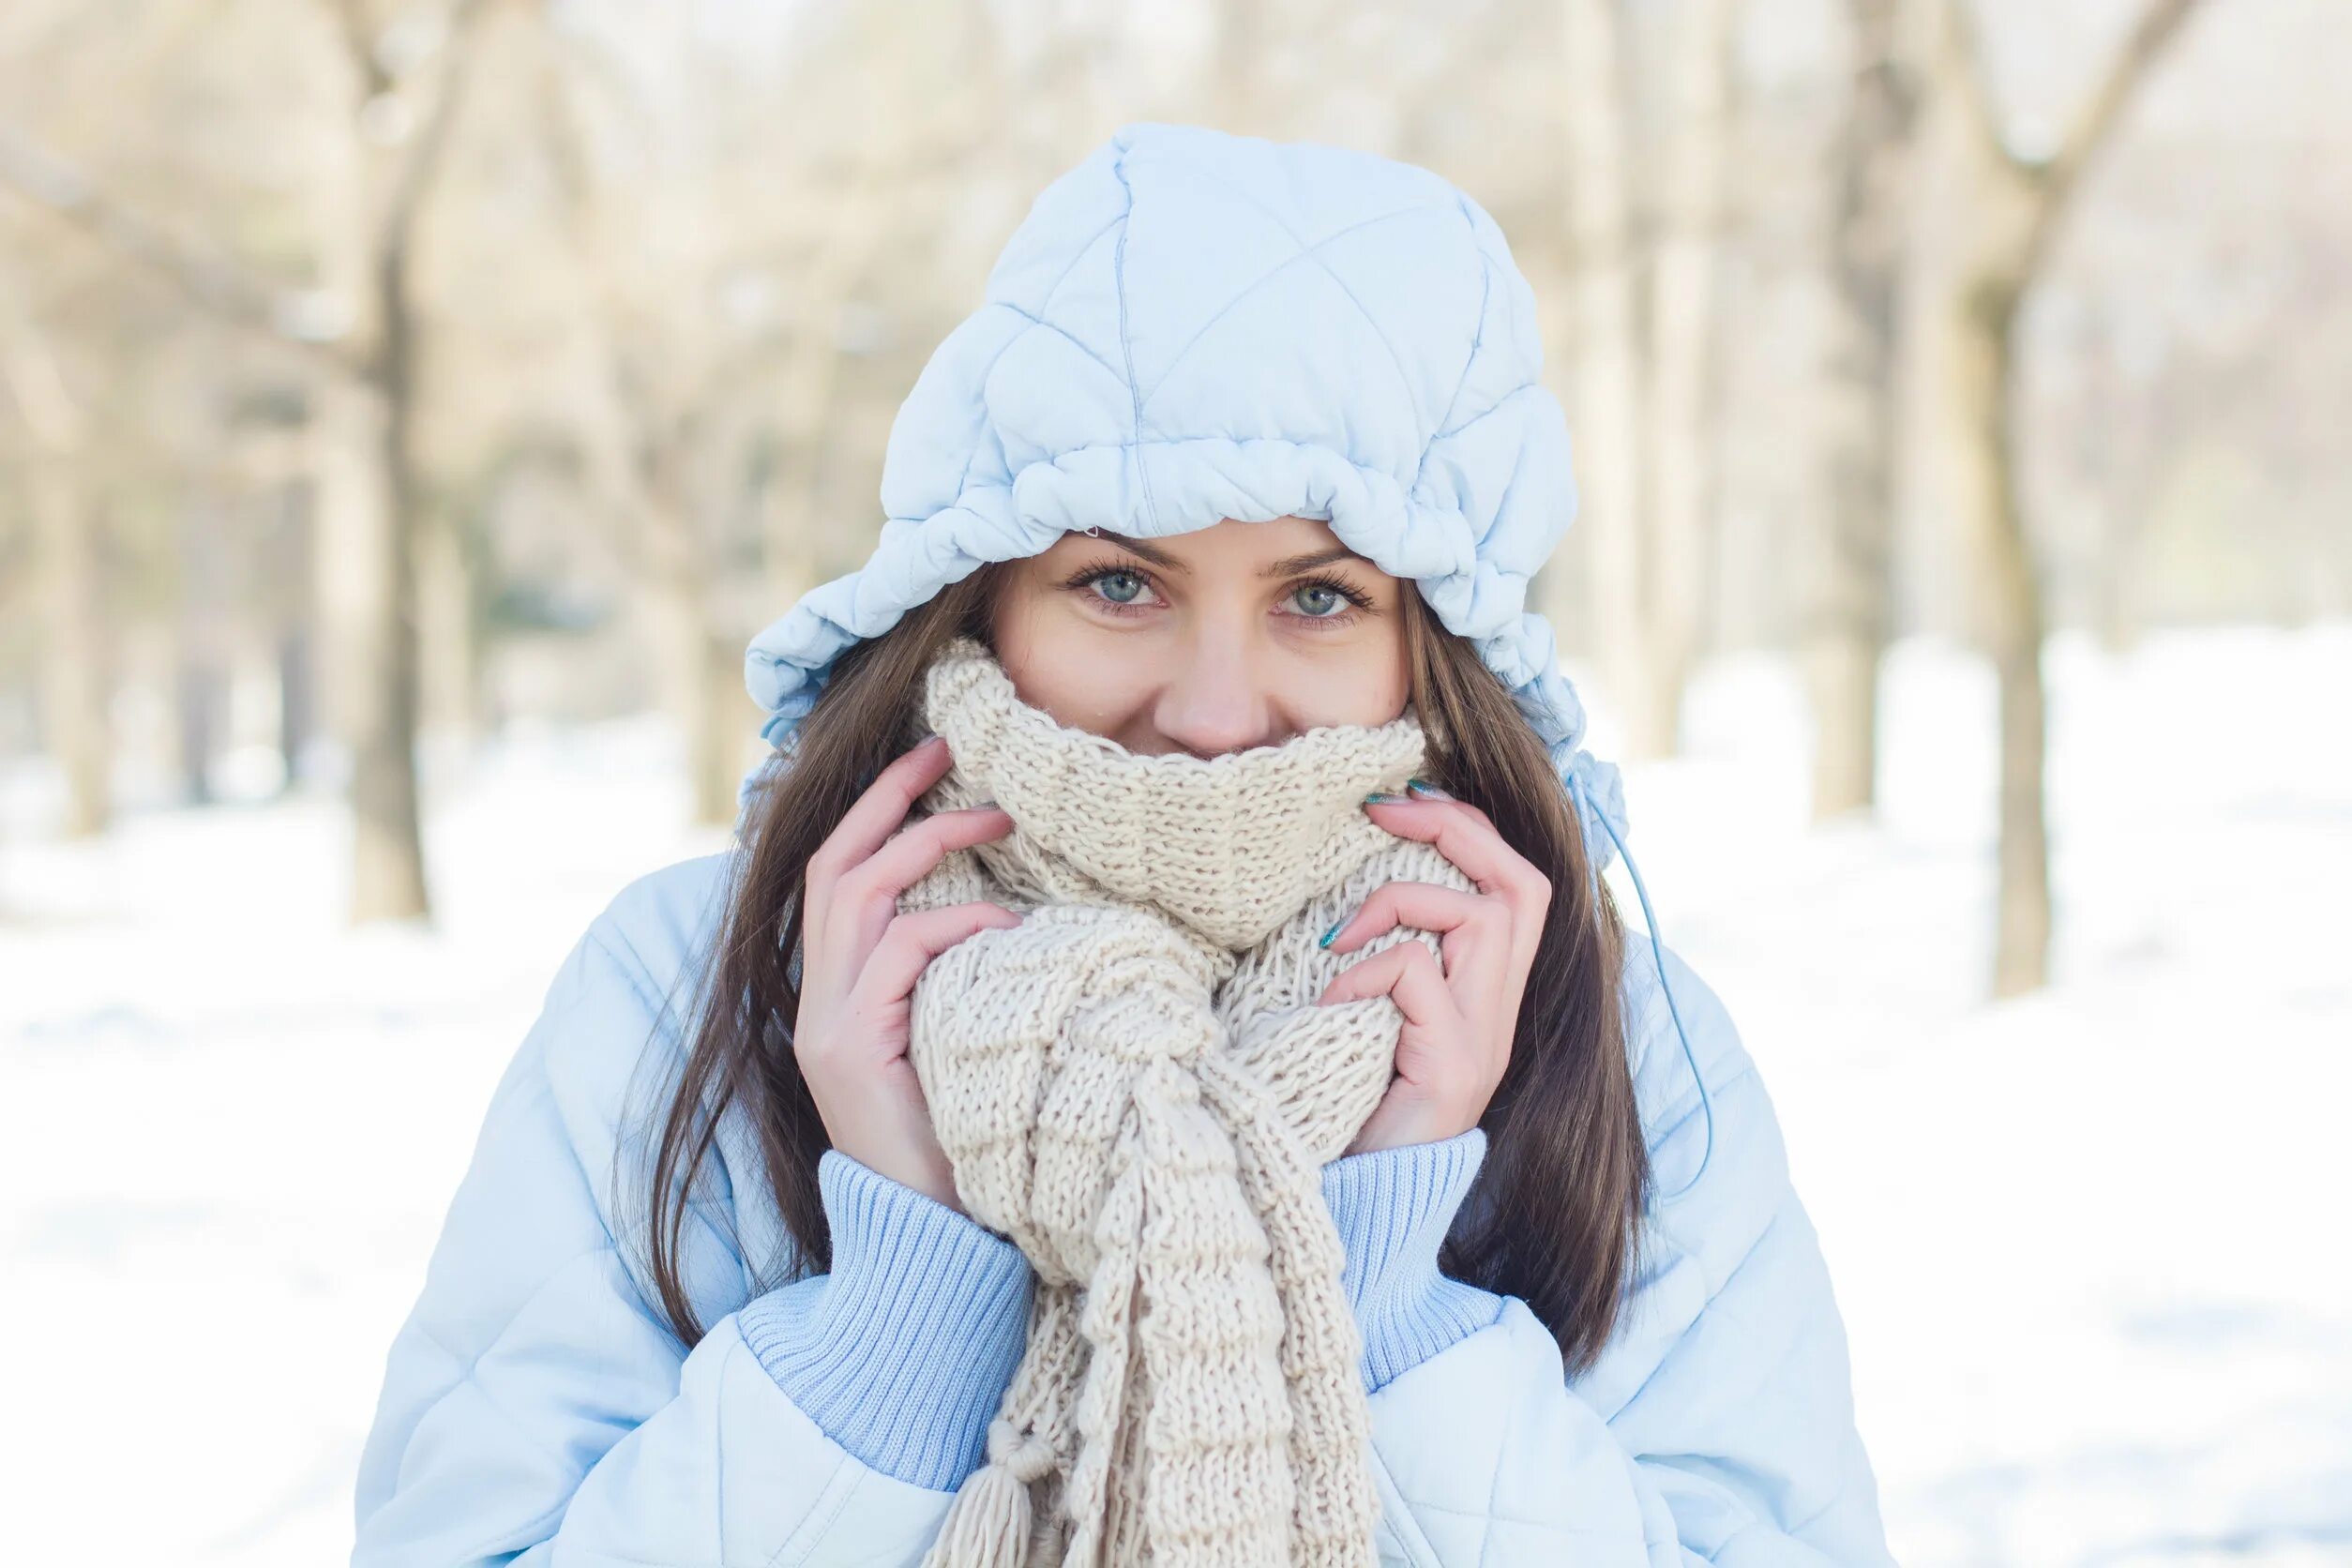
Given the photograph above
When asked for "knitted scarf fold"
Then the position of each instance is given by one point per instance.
(1135, 1087)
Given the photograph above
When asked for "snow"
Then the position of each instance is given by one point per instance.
(2089, 1246)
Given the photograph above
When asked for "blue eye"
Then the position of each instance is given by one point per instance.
(1118, 587)
(1318, 599)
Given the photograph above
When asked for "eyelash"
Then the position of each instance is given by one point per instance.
(1087, 576)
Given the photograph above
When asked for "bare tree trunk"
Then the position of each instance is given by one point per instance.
(398, 128)
(200, 661)
(1679, 434)
(451, 641)
(297, 700)
(77, 677)
(388, 880)
(296, 623)
(388, 868)
(368, 594)
(704, 673)
(388, 863)
(662, 500)
(1849, 615)
(2017, 207)
(810, 383)
(1607, 364)
(1985, 379)
(720, 730)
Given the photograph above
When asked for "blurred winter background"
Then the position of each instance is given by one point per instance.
(408, 410)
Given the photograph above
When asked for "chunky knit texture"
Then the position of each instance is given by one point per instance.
(1135, 1087)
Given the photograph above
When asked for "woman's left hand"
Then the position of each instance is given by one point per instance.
(1461, 1010)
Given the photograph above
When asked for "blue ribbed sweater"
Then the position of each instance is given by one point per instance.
(903, 1351)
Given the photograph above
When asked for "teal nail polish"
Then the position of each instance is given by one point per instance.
(1381, 799)
(1427, 790)
(1332, 932)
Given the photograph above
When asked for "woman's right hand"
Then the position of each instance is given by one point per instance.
(860, 958)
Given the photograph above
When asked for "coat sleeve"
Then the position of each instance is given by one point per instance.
(1718, 1425)
(536, 1407)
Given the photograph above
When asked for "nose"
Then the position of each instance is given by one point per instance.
(1214, 700)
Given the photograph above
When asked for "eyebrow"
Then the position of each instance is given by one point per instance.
(1287, 567)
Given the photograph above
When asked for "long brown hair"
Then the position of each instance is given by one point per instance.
(1555, 1215)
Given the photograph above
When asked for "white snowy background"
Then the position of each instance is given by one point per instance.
(2090, 1247)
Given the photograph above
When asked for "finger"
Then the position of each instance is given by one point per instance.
(1459, 918)
(1424, 791)
(1407, 976)
(911, 855)
(913, 941)
(880, 811)
(1465, 835)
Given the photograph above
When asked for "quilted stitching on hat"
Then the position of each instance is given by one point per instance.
(1466, 505)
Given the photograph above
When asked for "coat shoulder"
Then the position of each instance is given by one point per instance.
(623, 1002)
(1679, 1034)
(661, 926)
(620, 1027)
(628, 999)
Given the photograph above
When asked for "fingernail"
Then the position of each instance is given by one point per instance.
(1427, 790)
(1334, 931)
(1381, 799)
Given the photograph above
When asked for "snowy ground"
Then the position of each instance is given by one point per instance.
(2090, 1247)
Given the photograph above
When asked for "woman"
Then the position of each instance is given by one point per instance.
(1246, 445)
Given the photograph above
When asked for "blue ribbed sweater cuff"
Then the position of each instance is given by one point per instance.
(1392, 1208)
(902, 1353)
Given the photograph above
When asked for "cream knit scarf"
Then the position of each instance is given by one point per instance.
(1135, 1087)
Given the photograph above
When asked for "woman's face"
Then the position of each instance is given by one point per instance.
(1237, 635)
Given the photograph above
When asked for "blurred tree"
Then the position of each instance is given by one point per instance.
(362, 332)
(77, 652)
(408, 67)
(650, 360)
(201, 634)
(1849, 612)
(2019, 202)
(1646, 130)
(735, 245)
(1693, 130)
(1608, 366)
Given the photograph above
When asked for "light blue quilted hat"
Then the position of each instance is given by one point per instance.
(1192, 325)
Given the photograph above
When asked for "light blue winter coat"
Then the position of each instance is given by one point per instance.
(536, 1408)
(1186, 327)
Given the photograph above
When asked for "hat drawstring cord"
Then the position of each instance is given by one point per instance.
(1650, 918)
